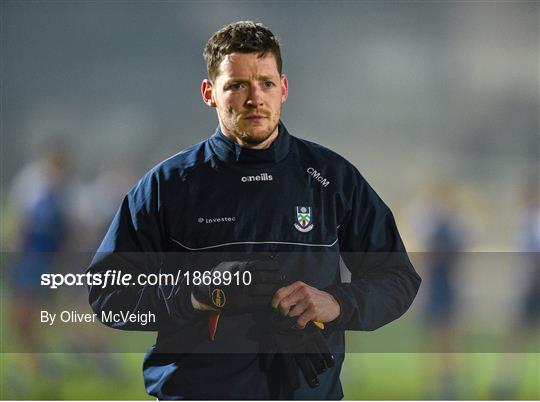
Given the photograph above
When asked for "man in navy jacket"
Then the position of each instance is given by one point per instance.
(251, 191)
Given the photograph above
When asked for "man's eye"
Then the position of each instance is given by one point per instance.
(268, 84)
(236, 86)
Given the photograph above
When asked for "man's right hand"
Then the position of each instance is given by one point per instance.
(238, 297)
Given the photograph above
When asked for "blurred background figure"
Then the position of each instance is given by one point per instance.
(97, 200)
(529, 244)
(38, 203)
(38, 206)
(440, 223)
(523, 333)
(54, 217)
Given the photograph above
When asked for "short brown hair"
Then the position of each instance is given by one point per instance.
(240, 37)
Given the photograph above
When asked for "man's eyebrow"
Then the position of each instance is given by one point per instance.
(265, 78)
(243, 79)
(235, 80)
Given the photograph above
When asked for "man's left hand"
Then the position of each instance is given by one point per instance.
(305, 302)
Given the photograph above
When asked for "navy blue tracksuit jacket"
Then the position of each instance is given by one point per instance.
(296, 202)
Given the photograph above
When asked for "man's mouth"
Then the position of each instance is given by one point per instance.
(255, 117)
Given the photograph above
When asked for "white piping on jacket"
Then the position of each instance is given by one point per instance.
(254, 242)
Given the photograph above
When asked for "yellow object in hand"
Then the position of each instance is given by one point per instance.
(319, 324)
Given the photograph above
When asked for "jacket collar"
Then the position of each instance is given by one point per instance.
(229, 151)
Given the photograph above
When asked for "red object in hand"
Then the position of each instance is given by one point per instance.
(212, 325)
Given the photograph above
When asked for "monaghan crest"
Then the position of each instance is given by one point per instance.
(303, 219)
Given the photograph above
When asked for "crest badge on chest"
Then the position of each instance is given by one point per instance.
(304, 219)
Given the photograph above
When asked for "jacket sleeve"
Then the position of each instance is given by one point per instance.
(134, 244)
(383, 281)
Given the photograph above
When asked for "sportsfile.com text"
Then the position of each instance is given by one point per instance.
(114, 277)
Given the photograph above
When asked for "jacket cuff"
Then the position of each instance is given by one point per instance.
(185, 305)
(179, 305)
(340, 292)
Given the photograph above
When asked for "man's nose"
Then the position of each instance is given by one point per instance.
(255, 96)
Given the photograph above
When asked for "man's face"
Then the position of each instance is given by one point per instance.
(248, 93)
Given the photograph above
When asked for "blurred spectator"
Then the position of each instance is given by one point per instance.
(44, 219)
(38, 202)
(96, 203)
(38, 206)
(512, 366)
(439, 222)
(529, 240)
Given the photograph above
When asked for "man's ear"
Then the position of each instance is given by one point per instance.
(207, 91)
(284, 88)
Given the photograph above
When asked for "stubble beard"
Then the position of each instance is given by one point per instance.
(253, 139)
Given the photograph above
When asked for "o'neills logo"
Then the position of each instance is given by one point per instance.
(218, 298)
(260, 177)
(317, 176)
